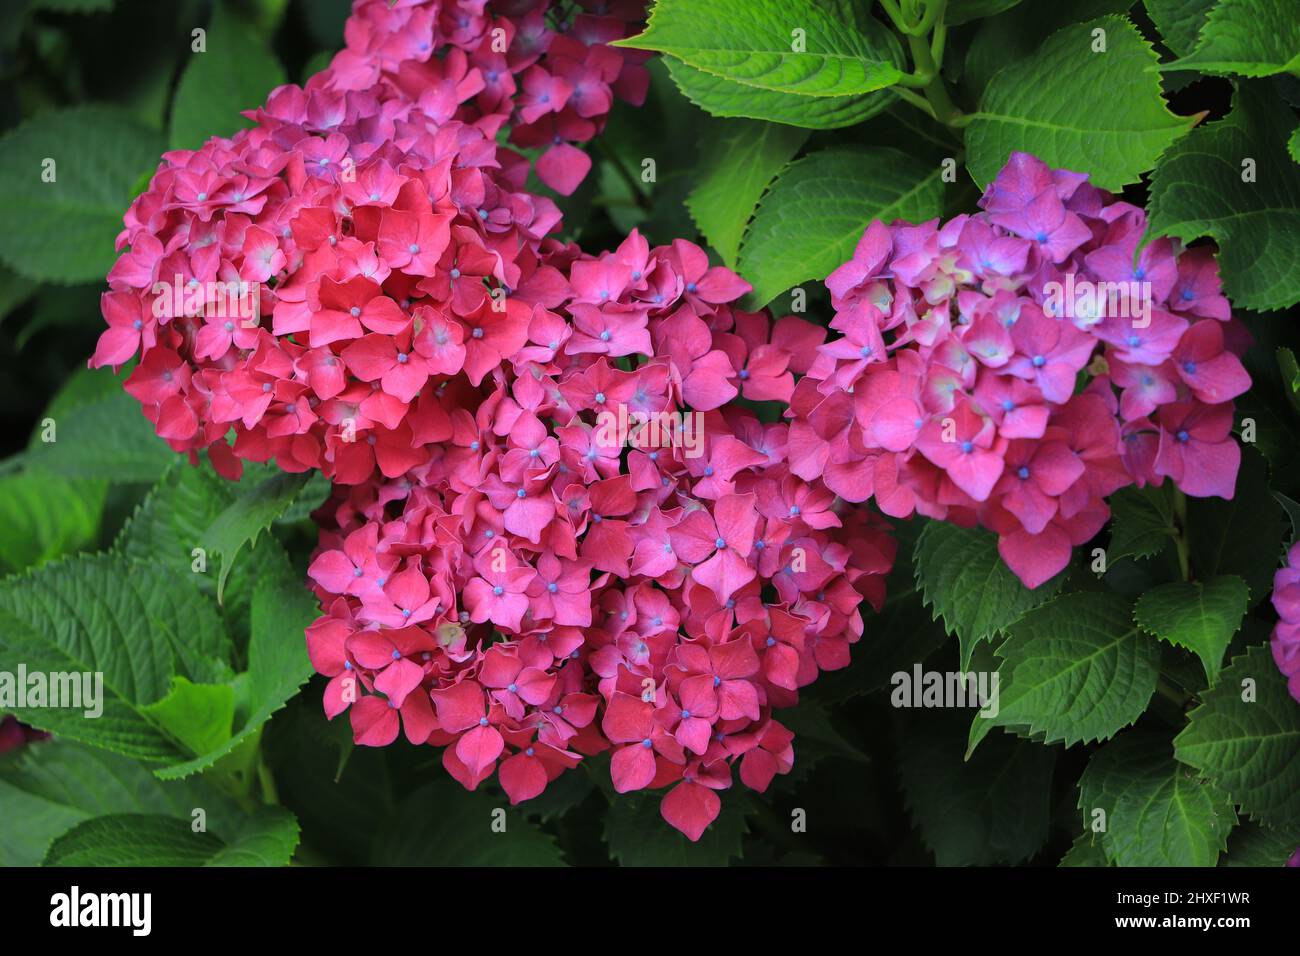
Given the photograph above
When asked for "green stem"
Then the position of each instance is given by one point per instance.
(920, 102)
(267, 779)
(933, 14)
(602, 143)
(937, 43)
(1180, 535)
(1170, 691)
(895, 15)
(936, 93)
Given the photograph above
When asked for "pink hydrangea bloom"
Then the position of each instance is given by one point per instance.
(1286, 635)
(527, 594)
(1014, 367)
(306, 286)
(551, 533)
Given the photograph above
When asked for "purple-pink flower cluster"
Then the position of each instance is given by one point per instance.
(1286, 635)
(1014, 367)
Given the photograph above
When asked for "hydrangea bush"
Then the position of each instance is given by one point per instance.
(884, 407)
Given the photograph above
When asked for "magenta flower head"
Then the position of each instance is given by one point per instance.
(1286, 635)
(1014, 367)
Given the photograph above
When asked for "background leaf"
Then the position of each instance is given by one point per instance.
(253, 510)
(754, 45)
(134, 623)
(965, 582)
(443, 824)
(1158, 812)
(1249, 748)
(816, 211)
(1249, 37)
(1179, 21)
(740, 160)
(63, 231)
(638, 836)
(990, 809)
(1200, 616)
(1197, 190)
(1097, 113)
(128, 839)
(1074, 670)
(235, 73)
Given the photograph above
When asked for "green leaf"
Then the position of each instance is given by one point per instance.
(1085, 852)
(1290, 370)
(1242, 536)
(82, 387)
(57, 784)
(1073, 671)
(1255, 845)
(813, 726)
(1251, 748)
(1200, 616)
(236, 72)
(637, 834)
(72, 6)
(43, 517)
(173, 521)
(813, 216)
(1157, 812)
(107, 438)
(1018, 33)
(63, 231)
(15, 291)
(1247, 37)
(1098, 113)
(253, 510)
(964, 11)
(341, 793)
(1142, 523)
(964, 581)
(131, 839)
(722, 97)
(277, 668)
(1179, 21)
(756, 46)
(993, 808)
(1198, 190)
(198, 715)
(135, 623)
(1293, 144)
(741, 158)
(443, 824)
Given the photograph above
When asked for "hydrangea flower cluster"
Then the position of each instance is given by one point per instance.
(1014, 367)
(376, 221)
(582, 565)
(540, 543)
(1286, 635)
(519, 62)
